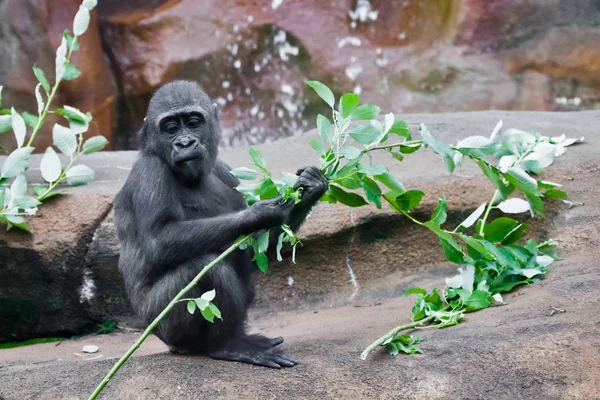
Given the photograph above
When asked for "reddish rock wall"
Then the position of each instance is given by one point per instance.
(253, 57)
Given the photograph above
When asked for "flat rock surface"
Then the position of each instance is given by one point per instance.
(543, 344)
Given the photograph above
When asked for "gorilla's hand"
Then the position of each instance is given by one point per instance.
(313, 184)
(266, 214)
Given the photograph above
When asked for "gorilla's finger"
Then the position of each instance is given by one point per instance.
(301, 170)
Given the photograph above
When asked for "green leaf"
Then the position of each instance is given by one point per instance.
(318, 146)
(372, 170)
(391, 348)
(289, 179)
(257, 158)
(208, 314)
(89, 4)
(452, 251)
(514, 206)
(537, 206)
(324, 128)
(268, 190)
(71, 72)
(18, 187)
(41, 77)
(64, 139)
(403, 343)
(476, 145)
(5, 123)
(415, 290)
(70, 43)
(60, 60)
(372, 191)
(555, 194)
(262, 261)
(349, 199)
(499, 229)
(514, 235)
(439, 147)
(439, 214)
(81, 21)
(323, 91)
(348, 103)
(80, 175)
(191, 306)
(396, 155)
(364, 134)
(365, 112)
(409, 148)
(201, 303)
(244, 173)
(72, 114)
(209, 296)
(464, 279)
(18, 127)
(40, 101)
(467, 223)
(94, 144)
(446, 318)
(390, 181)
(16, 162)
(263, 242)
(522, 181)
(350, 152)
(215, 310)
(409, 200)
(50, 166)
(280, 240)
(400, 128)
(30, 119)
(477, 301)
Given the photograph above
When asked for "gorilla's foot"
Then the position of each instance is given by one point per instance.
(257, 350)
(265, 341)
(175, 350)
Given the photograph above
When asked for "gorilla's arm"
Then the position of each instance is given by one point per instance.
(169, 239)
(314, 185)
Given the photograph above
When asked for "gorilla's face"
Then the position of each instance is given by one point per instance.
(184, 132)
(182, 127)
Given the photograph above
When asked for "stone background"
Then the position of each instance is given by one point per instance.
(253, 57)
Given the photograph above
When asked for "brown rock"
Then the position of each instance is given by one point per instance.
(30, 33)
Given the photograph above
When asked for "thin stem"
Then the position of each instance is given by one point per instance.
(51, 96)
(164, 312)
(379, 342)
(413, 219)
(487, 211)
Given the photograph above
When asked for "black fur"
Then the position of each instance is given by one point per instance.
(178, 210)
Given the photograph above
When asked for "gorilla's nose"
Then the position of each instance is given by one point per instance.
(185, 142)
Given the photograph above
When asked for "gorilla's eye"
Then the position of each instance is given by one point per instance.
(171, 127)
(194, 122)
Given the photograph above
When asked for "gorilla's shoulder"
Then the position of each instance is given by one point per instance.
(221, 170)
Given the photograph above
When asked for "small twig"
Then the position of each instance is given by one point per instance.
(555, 310)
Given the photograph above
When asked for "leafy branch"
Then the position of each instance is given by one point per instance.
(15, 203)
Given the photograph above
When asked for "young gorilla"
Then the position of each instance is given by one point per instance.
(178, 210)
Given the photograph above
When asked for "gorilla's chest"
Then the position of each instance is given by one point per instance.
(211, 202)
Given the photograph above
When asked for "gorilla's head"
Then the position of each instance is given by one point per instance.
(182, 127)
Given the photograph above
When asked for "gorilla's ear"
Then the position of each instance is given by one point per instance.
(216, 111)
(144, 134)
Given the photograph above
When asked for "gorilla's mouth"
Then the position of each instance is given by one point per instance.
(187, 154)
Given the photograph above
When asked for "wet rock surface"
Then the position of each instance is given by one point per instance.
(253, 58)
